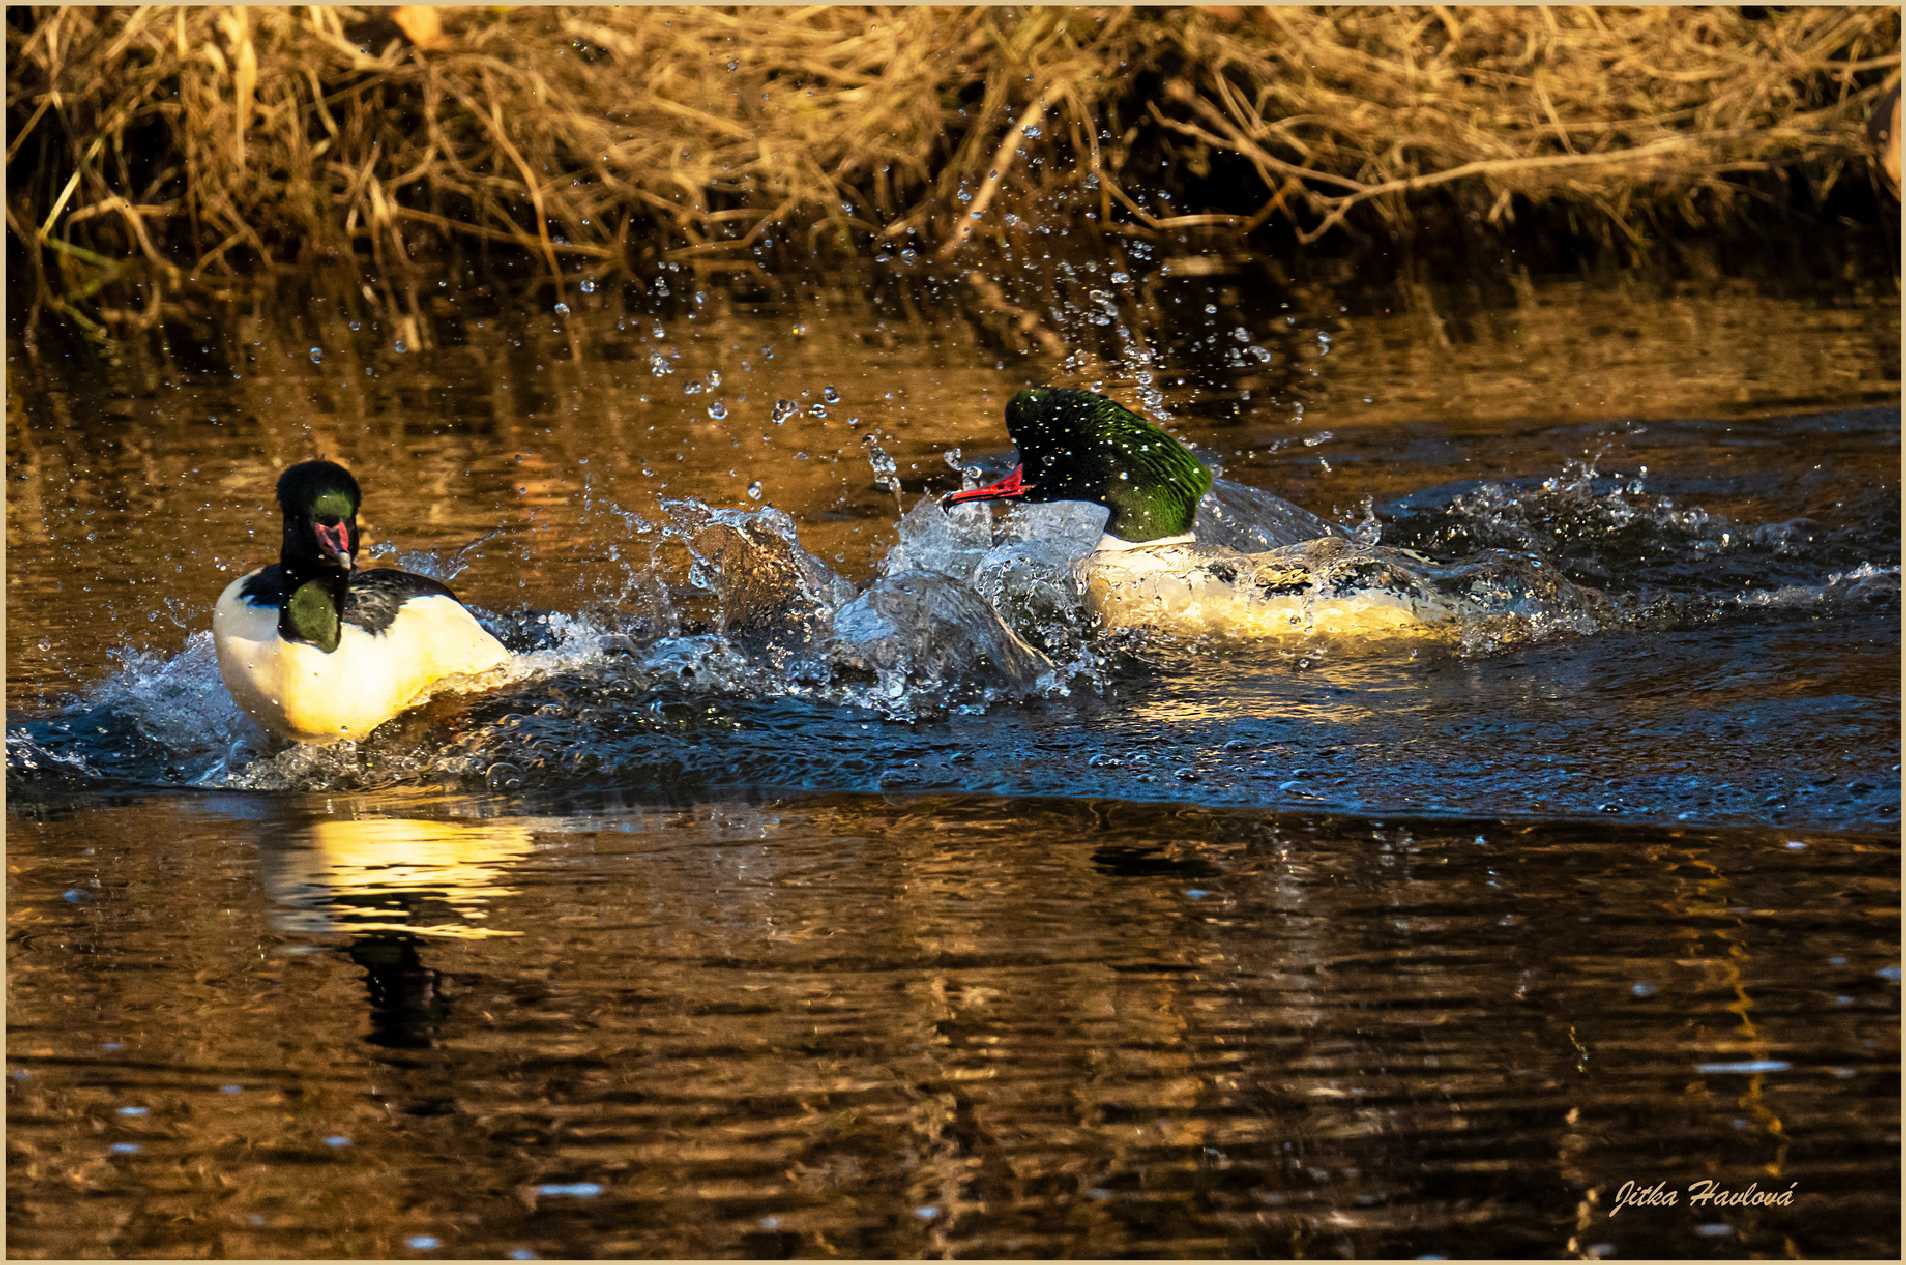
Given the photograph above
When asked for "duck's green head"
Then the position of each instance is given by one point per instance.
(319, 500)
(1078, 446)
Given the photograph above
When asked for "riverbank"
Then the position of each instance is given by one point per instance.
(162, 152)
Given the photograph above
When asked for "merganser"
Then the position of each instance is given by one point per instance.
(317, 651)
(1148, 571)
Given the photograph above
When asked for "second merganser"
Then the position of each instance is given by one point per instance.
(1148, 570)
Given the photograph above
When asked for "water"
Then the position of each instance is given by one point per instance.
(828, 880)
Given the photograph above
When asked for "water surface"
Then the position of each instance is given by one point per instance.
(827, 883)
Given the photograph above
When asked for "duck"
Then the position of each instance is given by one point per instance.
(1148, 571)
(318, 651)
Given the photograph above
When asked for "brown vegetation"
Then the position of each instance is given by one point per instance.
(193, 144)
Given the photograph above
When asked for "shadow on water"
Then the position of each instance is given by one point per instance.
(827, 881)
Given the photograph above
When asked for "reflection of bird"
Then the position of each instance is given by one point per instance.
(1148, 572)
(316, 650)
(1882, 130)
(406, 997)
(391, 883)
(393, 874)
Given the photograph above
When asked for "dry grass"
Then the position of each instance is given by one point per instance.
(1629, 110)
(190, 146)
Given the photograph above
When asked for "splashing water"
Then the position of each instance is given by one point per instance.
(711, 612)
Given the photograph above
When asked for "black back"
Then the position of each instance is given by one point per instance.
(371, 598)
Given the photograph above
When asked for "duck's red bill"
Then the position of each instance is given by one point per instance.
(335, 540)
(1006, 489)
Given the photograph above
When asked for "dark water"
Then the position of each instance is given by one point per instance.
(826, 883)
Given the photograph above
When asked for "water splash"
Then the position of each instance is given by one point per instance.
(706, 613)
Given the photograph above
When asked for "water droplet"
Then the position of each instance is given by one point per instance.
(135, 1111)
(337, 1140)
(125, 1148)
(421, 1242)
(754, 490)
(317, 355)
(587, 287)
(830, 395)
(562, 309)
(883, 465)
(718, 411)
(569, 1190)
(399, 347)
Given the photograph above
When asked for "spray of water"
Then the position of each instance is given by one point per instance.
(708, 609)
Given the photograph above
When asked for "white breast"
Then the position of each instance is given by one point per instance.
(299, 692)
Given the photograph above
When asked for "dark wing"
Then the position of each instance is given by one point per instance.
(267, 586)
(372, 600)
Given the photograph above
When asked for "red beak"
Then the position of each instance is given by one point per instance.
(1013, 485)
(336, 541)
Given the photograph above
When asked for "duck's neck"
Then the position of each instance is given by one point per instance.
(314, 610)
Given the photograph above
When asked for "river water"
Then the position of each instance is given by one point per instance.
(824, 883)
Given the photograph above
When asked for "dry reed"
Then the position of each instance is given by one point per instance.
(191, 146)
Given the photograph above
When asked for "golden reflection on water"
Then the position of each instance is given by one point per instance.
(1345, 686)
(919, 1027)
(393, 874)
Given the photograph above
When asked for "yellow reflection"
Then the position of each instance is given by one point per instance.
(1342, 686)
(428, 878)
